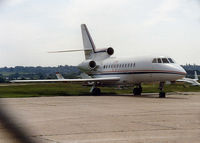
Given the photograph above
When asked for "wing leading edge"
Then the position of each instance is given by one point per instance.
(109, 79)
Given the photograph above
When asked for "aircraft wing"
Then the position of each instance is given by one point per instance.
(191, 81)
(183, 80)
(108, 79)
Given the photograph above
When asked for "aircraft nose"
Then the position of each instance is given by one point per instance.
(182, 71)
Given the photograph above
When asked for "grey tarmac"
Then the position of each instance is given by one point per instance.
(107, 119)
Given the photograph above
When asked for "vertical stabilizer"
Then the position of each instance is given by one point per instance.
(89, 47)
(59, 76)
(195, 75)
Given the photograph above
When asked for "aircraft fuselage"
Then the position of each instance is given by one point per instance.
(137, 70)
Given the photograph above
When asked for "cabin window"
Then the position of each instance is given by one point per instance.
(159, 60)
(170, 60)
(154, 60)
(165, 60)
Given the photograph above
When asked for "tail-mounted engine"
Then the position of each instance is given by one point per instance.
(110, 51)
(87, 65)
(92, 64)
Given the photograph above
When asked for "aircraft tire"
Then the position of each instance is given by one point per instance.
(137, 91)
(96, 91)
(162, 95)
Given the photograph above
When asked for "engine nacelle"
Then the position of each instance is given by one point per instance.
(110, 51)
(87, 65)
(92, 64)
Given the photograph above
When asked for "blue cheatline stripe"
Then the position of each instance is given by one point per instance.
(138, 73)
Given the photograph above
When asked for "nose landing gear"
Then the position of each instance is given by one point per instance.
(162, 94)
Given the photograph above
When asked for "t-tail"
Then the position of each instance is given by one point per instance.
(91, 53)
(89, 47)
(88, 43)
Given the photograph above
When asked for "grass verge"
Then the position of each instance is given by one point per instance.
(65, 89)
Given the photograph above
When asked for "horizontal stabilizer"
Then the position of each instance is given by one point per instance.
(69, 51)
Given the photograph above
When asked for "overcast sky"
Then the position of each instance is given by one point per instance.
(31, 28)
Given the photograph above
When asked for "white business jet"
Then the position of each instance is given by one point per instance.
(194, 81)
(101, 69)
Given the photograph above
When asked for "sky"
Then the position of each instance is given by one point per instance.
(31, 28)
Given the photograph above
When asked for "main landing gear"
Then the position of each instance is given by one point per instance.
(162, 93)
(137, 90)
(95, 91)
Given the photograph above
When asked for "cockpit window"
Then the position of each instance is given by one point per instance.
(159, 60)
(154, 60)
(165, 60)
(170, 60)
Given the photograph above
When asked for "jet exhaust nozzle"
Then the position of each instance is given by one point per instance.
(87, 65)
(92, 64)
(110, 51)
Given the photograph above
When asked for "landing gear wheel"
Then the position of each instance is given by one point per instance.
(137, 91)
(96, 91)
(162, 95)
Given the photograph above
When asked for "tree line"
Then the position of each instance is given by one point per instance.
(21, 72)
